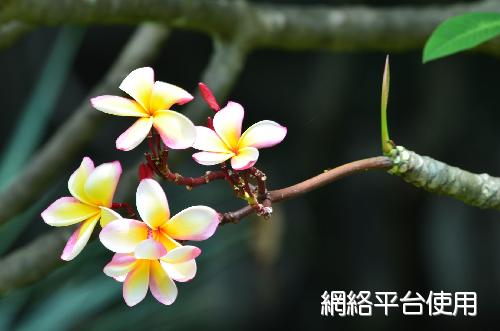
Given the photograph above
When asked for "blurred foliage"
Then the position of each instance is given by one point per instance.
(33, 122)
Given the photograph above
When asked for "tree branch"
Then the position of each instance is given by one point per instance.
(479, 190)
(69, 140)
(11, 31)
(380, 162)
(279, 26)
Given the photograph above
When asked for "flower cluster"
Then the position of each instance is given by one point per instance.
(151, 253)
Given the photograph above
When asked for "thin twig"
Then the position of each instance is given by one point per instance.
(162, 170)
(30, 263)
(380, 162)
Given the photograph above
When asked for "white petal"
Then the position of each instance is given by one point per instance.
(193, 223)
(207, 140)
(79, 239)
(149, 249)
(161, 286)
(108, 215)
(101, 184)
(68, 211)
(115, 105)
(152, 203)
(181, 272)
(136, 284)
(165, 95)
(134, 135)
(76, 183)
(139, 85)
(263, 134)
(123, 235)
(176, 130)
(227, 123)
(181, 254)
(245, 158)
(120, 265)
(210, 158)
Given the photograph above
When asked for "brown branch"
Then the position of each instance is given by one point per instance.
(162, 170)
(157, 162)
(380, 162)
(79, 130)
(278, 25)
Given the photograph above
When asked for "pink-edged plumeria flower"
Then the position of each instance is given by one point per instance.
(151, 266)
(194, 223)
(226, 141)
(92, 189)
(152, 102)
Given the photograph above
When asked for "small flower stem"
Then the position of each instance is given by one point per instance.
(210, 123)
(246, 184)
(261, 178)
(240, 181)
(159, 142)
(161, 169)
(157, 159)
(229, 177)
(151, 144)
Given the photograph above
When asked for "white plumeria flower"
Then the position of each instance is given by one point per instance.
(194, 223)
(92, 189)
(150, 266)
(226, 141)
(152, 103)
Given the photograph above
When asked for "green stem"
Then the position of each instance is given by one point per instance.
(386, 142)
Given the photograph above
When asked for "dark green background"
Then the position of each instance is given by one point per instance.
(370, 231)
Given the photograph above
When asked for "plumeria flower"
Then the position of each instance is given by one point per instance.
(193, 223)
(92, 189)
(151, 104)
(226, 141)
(150, 266)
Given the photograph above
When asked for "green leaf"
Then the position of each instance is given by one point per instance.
(460, 33)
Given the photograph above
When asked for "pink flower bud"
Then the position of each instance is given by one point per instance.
(209, 97)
